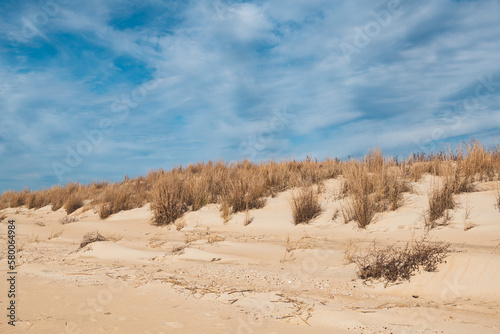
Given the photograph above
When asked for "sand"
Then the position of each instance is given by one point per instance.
(211, 277)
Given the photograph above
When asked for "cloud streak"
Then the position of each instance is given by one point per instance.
(223, 68)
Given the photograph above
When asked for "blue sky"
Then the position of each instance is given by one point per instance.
(100, 89)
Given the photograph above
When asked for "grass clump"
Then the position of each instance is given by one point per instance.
(441, 199)
(72, 204)
(391, 264)
(305, 205)
(374, 185)
(168, 200)
(92, 237)
(67, 220)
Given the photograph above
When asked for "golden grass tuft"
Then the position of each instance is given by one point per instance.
(72, 204)
(372, 185)
(305, 205)
(169, 200)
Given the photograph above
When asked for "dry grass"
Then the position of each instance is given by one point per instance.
(157, 241)
(169, 200)
(92, 237)
(469, 225)
(248, 219)
(180, 224)
(305, 205)
(395, 263)
(67, 220)
(497, 200)
(372, 185)
(54, 234)
(304, 242)
(72, 204)
(350, 253)
(213, 238)
(441, 199)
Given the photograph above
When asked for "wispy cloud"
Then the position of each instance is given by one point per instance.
(221, 71)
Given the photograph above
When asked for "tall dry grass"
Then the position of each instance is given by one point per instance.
(305, 204)
(371, 185)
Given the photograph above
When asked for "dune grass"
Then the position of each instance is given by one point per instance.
(305, 205)
(371, 185)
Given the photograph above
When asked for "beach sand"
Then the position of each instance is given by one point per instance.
(216, 277)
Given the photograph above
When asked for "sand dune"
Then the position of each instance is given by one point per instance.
(211, 277)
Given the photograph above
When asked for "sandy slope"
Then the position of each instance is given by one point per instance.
(212, 277)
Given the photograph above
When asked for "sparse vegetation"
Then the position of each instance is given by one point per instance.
(305, 205)
(157, 241)
(92, 237)
(497, 204)
(395, 263)
(441, 199)
(54, 234)
(248, 219)
(68, 220)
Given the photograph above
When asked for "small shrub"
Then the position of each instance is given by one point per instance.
(305, 205)
(391, 263)
(67, 220)
(92, 237)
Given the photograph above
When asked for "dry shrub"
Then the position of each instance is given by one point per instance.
(157, 241)
(55, 234)
(305, 205)
(179, 250)
(392, 263)
(67, 220)
(72, 204)
(213, 238)
(469, 225)
(92, 237)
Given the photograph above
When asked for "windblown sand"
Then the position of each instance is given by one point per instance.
(211, 277)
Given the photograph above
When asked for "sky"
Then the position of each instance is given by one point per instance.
(100, 89)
